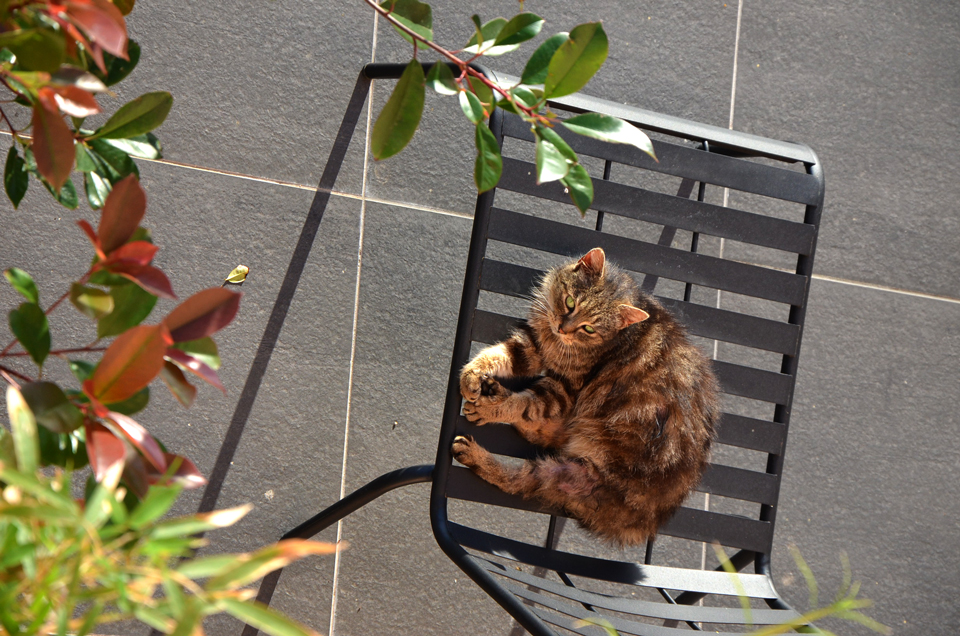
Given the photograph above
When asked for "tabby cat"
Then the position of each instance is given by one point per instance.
(623, 404)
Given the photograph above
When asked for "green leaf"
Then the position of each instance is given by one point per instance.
(416, 16)
(85, 163)
(471, 106)
(36, 49)
(97, 189)
(607, 128)
(82, 370)
(525, 96)
(401, 115)
(62, 449)
(117, 161)
(51, 408)
(263, 618)
(16, 179)
(205, 567)
(483, 92)
(92, 302)
(117, 67)
(535, 72)
(24, 429)
(143, 146)
(520, 28)
(137, 117)
(23, 283)
(507, 106)
(67, 197)
(580, 186)
(203, 349)
(551, 135)
(576, 60)
(29, 324)
(551, 164)
(157, 503)
(488, 165)
(484, 41)
(131, 306)
(440, 78)
(133, 404)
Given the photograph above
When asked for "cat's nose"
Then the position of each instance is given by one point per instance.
(560, 328)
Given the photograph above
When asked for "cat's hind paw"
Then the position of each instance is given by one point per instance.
(466, 451)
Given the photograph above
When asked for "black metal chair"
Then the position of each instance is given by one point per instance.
(671, 224)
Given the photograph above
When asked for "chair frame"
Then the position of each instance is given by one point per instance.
(453, 538)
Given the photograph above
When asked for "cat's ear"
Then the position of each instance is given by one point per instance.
(630, 315)
(592, 262)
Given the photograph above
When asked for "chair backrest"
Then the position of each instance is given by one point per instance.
(722, 230)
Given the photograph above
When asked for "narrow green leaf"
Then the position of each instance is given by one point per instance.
(143, 146)
(488, 165)
(116, 159)
(29, 324)
(92, 302)
(23, 425)
(205, 567)
(416, 16)
(520, 28)
(23, 283)
(551, 164)
(483, 92)
(580, 187)
(535, 72)
(131, 306)
(440, 78)
(96, 188)
(16, 179)
(156, 504)
(51, 408)
(137, 117)
(203, 349)
(576, 60)
(507, 106)
(471, 106)
(85, 163)
(263, 618)
(401, 115)
(551, 135)
(484, 41)
(607, 128)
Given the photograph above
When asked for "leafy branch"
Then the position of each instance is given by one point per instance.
(561, 65)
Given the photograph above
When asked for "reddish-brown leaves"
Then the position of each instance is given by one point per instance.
(52, 146)
(103, 448)
(203, 314)
(140, 438)
(130, 363)
(122, 212)
(198, 368)
(137, 253)
(73, 100)
(102, 22)
(149, 278)
(173, 377)
(186, 472)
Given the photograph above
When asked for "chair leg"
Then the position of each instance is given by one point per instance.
(326, 518)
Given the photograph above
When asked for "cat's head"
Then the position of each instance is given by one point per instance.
(585, 303)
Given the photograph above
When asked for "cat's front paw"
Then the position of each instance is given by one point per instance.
(486, 408)
(466, 451)
(471, 381)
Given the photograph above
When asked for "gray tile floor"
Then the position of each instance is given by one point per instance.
(873, 459)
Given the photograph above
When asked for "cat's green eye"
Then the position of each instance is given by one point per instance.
(571, 303)
(589, 329)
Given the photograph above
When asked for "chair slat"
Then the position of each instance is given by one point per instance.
(755, 384)
(747, 432)
(699, 269)
(499, 439)
(691, 163)
(490, 328)
(652, 576)
(747, 485)
(665, 209)
(639, 607)
(700, 320)
(687, 523)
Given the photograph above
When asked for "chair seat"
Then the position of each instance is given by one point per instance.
(557, 600)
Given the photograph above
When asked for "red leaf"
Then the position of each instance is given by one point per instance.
(47, 99)
(150, 278)
(102, 22)
(74, 101)
(95, 405)
(122, 212)
(173, 377)
(88, 230)
(198, 368)
(140, 438)
(103, 448)
(52, 146)
(204, 313)
(185, 474)
(138, 252)
(135, 475)
(130, 363)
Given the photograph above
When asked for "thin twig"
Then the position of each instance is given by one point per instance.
(58, 352)
(6, 372)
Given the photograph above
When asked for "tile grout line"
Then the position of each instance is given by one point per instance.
(335, 584)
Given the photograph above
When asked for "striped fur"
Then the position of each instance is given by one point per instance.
(625, 414)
